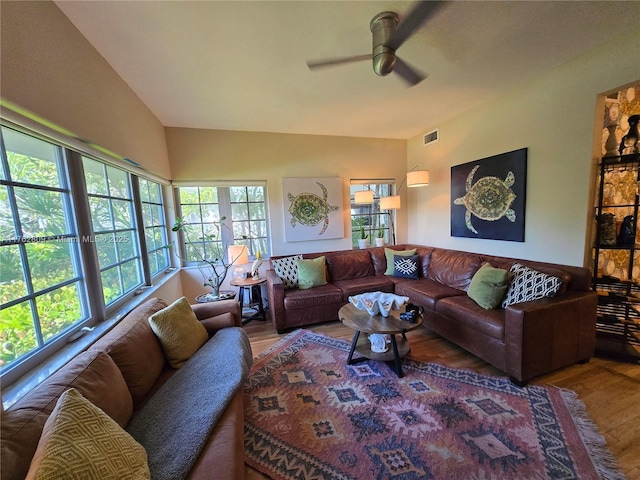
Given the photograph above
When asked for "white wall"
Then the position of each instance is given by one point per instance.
(49, 68)
(554, 118)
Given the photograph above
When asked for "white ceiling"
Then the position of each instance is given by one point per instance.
(240, 65)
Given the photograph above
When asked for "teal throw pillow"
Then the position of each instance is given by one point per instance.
(488, 286)
(390, 253)
(312, 273)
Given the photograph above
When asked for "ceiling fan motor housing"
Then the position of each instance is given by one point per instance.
(384, 58)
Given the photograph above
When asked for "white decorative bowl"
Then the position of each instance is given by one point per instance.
(378, 303)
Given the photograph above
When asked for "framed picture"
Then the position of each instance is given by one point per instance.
(312, 209)
(488, 197)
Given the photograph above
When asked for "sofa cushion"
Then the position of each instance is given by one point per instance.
(424, 253)
(390, 254)
(488, 286)
(356, 286)
(135, 349)
(312, 272)
(287, 269)
(469, 315)
(80, 440)
(179, 331)
(425, 292)
(405, 267)
(349, 264)
(453, 269)
(527, 284)
(311, 297)
(93, 374)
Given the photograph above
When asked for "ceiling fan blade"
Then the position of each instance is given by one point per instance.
(408, 73)
(414, 19)
(330, 62)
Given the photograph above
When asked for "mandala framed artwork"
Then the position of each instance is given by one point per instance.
(488, 197)
(312, 209)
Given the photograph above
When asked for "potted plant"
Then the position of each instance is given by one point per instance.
(212, 262)
(362, 241)
(380, 237)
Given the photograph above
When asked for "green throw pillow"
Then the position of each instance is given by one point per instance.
(389, 253)
(312, 273)
(488, 286)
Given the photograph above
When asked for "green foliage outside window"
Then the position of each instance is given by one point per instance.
(45, 241)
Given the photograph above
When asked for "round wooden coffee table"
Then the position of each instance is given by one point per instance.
(361, 321)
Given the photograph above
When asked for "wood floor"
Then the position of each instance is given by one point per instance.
(610, 389)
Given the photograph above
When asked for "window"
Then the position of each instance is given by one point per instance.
(369, 216)
(61, 215)
(248, 215)
(114, 227)
(203, 207)
(155, 227)
(42, 285)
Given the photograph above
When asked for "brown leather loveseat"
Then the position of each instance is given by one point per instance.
(524, 339)
(121, 374)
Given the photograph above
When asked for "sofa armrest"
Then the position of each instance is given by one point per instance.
(275, 293)
(211, 314)
(550, 333)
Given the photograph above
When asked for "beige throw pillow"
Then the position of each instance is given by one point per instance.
(80, 441)
(180, 332)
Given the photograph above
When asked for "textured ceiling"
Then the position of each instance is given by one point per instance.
(240, 65)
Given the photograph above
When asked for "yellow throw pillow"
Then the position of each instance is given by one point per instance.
(180, 332)
(312, 273)
(80, 441)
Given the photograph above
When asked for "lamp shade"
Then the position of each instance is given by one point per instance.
(238, 254)
(363, 197)
(390, 203)
(418, 178)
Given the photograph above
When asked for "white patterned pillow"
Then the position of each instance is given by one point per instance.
(287, 269)
(527, 284)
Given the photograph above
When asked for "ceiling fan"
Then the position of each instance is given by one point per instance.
(388, 36)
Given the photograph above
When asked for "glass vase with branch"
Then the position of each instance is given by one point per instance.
(210, 252)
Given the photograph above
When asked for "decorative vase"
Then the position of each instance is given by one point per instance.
(362, 243)
(379, 242)
(611, 145)
(629, 143)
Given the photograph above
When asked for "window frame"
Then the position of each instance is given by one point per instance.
(375, 215)
(224, 207)
(85, 260)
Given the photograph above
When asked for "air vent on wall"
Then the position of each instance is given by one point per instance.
(431, 137)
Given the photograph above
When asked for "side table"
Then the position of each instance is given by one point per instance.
(255, 293)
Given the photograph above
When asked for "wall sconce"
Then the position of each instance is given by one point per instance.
(363, 197)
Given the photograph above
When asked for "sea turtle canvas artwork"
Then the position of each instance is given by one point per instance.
(310, 209)
(314, 208)
(487, 197)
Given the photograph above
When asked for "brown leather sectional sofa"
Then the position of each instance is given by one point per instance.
(524, 340)
(120, 373)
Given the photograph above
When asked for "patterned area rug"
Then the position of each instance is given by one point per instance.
(311, 416)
